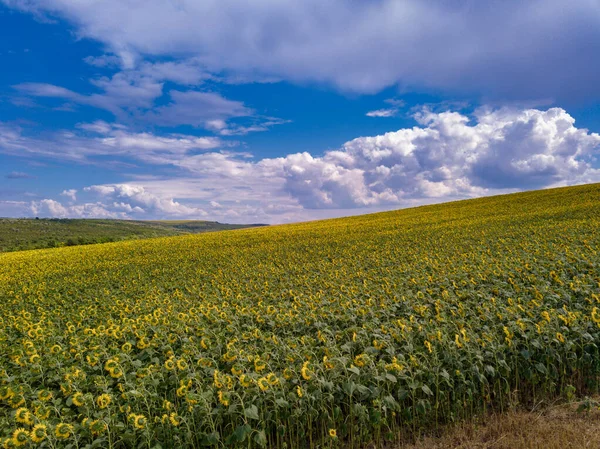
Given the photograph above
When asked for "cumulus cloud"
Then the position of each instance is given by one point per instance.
(70, 193)
(514, 49)
(135, 198)
(54, 209)
(448, 155)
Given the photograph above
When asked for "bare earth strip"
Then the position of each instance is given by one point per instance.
(557, 427)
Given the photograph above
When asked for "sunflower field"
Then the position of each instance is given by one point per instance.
(336, 333)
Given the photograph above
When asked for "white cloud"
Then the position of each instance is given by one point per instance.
(382, 113)
(54, 209)
(197, 108)
(392, 111)
(514, 49)
(103, 60)
(106, 141)
(135, 198)
(447, 156)
(70, 193)
(132, 94)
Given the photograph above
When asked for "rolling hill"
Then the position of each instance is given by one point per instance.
(17, 234)
(335, 333)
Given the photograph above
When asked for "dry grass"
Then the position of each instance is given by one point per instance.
(557, 427)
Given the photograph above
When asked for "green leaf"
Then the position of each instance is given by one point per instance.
(355, 370)
(426, 390)
(252, 412)
(282, 403)
(240, 434)
(260, 438)
(211, 439)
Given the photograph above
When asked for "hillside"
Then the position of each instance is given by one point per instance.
(22, 233)
(336, 333)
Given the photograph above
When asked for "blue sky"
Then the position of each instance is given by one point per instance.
(281, 111)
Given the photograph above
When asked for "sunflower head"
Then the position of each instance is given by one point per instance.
(169, 365)
(139, 421)
(45, 395)
(103, 400)
(8, 443)
(20, 437)
(263, 384)
(98, 427)
(63, 431)
(23, 416)
(115, 372)
(174, 419)
(181, 364)
(78, 399)
(38, 433)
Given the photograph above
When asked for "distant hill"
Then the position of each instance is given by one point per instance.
(17, 234)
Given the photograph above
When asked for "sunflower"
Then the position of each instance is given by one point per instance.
(169, 365)
(182, 391)
(34, 358)
(560, 337)
(328, 365)
(306, 375)
(174, 419)
(272, 379)
(126, 347)
(5, 393)
(361, 360)
(263, 384)
(245, 381)
(20, 437)
(428, 345)
(110, 364)
(143, 343)
(223, 399)
(333, 433)
(299, 391)
(98, 427)
(181, 365)
(63, 431)
(23, 416)
(38, 433)
(258, 366)
(16, 401)
(9, 443)
(44, 395)
(115, 372)
(78, 399)
(595, 315)
(103, 400)
(139, 421)
(41, 412)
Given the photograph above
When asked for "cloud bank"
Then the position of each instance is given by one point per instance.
(447, 156)
(508, 49)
